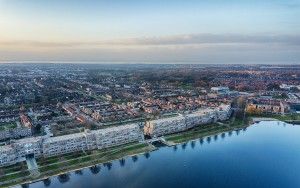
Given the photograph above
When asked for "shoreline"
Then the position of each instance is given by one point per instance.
(148, 148)
(73, 170)
(171, 140)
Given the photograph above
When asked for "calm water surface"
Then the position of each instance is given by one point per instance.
(266, 154)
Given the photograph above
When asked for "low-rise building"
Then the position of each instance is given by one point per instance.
(257, 106)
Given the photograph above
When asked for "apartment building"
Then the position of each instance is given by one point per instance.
(267, 106)
(180, 122)
(52, 146)
(47, 146)
(165, 126)
(28, 146)
(223, 112)
(64, 144)
(199, 117)
(7, 155)
(117, 135)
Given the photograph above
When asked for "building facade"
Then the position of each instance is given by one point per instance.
(52, 146)
(165, 126)
(47, 146)
(180, 122)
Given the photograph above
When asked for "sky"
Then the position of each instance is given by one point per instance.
(155, 31)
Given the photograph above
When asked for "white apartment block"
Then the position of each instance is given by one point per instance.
(51, 146)
(108, 137)
(223, 112)
(165, 126)
(28, 146)
(117, 135)
(200, 117)
(7, 156)
(64, 144)
(180, 123)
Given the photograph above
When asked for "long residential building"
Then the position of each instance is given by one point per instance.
(181, 122)
(45, 146)
(18, 150)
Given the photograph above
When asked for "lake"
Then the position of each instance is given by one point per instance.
(266, 154)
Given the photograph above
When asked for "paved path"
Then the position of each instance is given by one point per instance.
(32, 166)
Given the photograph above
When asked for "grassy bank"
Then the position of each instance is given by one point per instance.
(62, 164)
(206, 130)
(280, 117)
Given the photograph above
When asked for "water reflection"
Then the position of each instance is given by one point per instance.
(25, 185)
(134, 158)
(223, 135)
(208, 139)
(63, 178)
(175, 148)
(108, 165)
(147, 155)
(47, 182)
(183, 146)
(216, 137)
(193, 144)
(122, 162)
(79, 172)
(95, 169)
(201, 141)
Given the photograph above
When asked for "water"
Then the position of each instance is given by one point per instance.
(266, 154)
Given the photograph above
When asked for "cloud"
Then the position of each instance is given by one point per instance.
(198, 48)
(191, 39)
(227, 53)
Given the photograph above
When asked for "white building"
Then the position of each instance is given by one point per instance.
(220, 90)
(51, 146)
(223, 112)
(117, 135)
(64, 144)
(7, 156)
(180, 123)
(200, 117)
(165, 126)
(104, 138)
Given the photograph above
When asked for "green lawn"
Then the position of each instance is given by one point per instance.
(13, 176)
(62, 164)
(280, 117)
(205, 130)
(10, 125)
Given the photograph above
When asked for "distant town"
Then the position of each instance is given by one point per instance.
(49, 111)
